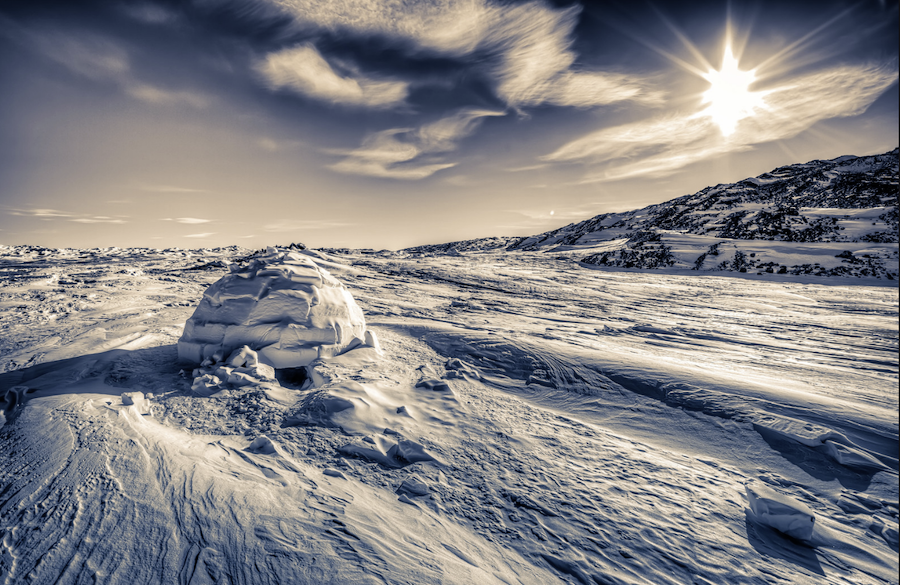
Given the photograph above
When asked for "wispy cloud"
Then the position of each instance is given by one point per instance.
(411, 153)
(42, 213)
(303, 70)
(273, 145)
(157, 95)
(662, 145)
(203, 235)
(55, 214)
(536, 64)
(95, 57)
(148, 12)
(187, 220)
(297, 225)
(98, 219)
(85, 54)
(170, 189)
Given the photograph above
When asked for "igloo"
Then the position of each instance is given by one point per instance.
(283, 305)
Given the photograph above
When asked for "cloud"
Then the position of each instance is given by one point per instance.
(42, 213)
(149, 13)
(170, 189)
(411, 153)
(536, 65)
(94, 57)
(187, 220)
(303, 69)
(664, 144)
(98, 219)
(273, 145)
(54, 214)
(525, 48)
(297, 225)
(156, 95)
(203, 235)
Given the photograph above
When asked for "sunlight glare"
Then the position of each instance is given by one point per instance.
(729, 97)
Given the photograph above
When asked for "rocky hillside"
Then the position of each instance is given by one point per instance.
(825, 217)
(848, 199)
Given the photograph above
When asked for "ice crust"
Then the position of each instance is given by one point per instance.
(283, 305)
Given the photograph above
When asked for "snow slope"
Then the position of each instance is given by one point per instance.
(521, 419)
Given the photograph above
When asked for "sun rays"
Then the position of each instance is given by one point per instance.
(729, 96)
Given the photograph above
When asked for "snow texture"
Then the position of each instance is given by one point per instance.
(508, 417)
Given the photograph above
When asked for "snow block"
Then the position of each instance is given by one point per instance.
(836, 445)
(262, 445)
(205, 385)
(283, 306)
(413, 486)
(434, 384)
(372, 340)
(781, 512)
(243, 356)
(138, 400)
(805, 433)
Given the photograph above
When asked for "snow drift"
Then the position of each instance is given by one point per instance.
(283, 305)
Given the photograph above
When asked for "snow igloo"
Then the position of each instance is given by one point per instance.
(283, 305)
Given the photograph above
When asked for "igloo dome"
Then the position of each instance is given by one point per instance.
(283, 305)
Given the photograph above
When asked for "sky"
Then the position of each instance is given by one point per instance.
(388, 124)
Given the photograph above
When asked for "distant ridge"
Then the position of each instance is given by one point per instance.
(848, 200)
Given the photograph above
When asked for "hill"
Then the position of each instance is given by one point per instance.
(826, 217)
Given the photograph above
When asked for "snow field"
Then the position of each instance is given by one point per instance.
(509, 420)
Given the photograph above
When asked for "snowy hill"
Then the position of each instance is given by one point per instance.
(829, 218)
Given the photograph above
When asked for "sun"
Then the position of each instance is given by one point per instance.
(729, 97)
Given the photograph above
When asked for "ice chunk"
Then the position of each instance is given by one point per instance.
(781, 512)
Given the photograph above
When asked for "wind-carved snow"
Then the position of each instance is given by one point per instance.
(509, 418)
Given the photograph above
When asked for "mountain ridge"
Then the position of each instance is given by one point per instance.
(848, 200)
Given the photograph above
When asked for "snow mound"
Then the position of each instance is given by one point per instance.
(282, 305)
(781, 512)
